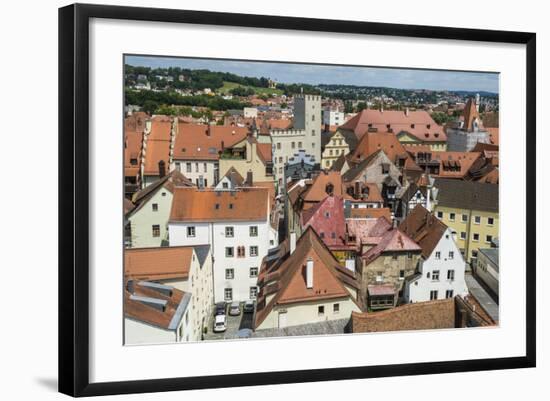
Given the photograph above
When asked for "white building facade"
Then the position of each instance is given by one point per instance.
(439, 276)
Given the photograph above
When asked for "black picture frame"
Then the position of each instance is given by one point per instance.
(74, 198)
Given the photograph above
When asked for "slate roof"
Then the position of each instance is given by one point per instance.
(470, 195)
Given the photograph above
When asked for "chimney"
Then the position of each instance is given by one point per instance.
(208, 130)
(309, 273)
(407, 111)
(249, 178)
(292, 242)
(162, 168)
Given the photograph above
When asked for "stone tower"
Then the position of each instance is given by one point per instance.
(307, 117)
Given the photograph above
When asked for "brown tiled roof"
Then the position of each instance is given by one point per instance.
(158, 145)
(369, 192)
(452, 164)
(246, 204)
(368, 230)
(424, 228)
(134, 126)
(128, 205)
(287, 279)
(140, 311)
(327, 219)
(371, 213)
(372, 142)
(161, 263)
(438, 314)
(317, 191)
(264, 151)
(393, 240)
(204, 142)
(417, 123)
(493, 135)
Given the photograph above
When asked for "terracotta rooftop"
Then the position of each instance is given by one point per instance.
(470, 114)
(368, 230)
(287, 280)
(171, 303)
(246, 204)
(393, 240)
(417, 123)
(162, 263)
(204, 142)
(158, 145)
(322, 183)
(452, 164)
(424, 228)
(327, 219)
(134, 126)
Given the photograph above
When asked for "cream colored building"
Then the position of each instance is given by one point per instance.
(306, 287)
(335, 147)
(248, 156)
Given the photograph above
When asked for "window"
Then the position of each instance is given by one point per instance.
(450, 275)
(464, 218)
(229, 252)
(300, 144)
(401, 274)
(463, 235)
(133, 162)
(228, 294)
(240, 252)
(293, 145)
(156, 230)
(439, 215)
(254, 251)
(490, 221)
(435, 275)
(253, 231)
(438, 255)
(474, 254)
(253, 272)
(178, 166)
(155, 207)
(322, 235)
(475, 237)
(190, 231)
(385, 168)
(279, 145)
(336, 308)
(449, 294)
(451, 255)
(312, 132)
(225, 185)
(229, 232)
(409, 255)
(253, 292)
(229, 274)
(280, 159)
(230, 206)
(394, 256)
(477, 219)
(433, 295)
(196, 167)
(313, 144)
(217, 206)
(205, 167)
(188, 167)
(451, 216)
(488, 238)
(379, 277)
(321, 310)
(313, 117)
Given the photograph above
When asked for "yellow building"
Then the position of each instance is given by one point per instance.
(435, 144)
(333, 149)
(471, 210)
(248, 156)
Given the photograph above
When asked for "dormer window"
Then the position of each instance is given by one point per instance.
(133, 162)
(412, 126)
(329, 189)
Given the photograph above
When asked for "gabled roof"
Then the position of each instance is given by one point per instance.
(193, 205)
(393, 240)
(134, 126)
(287, 279)
(368, 230)
(471, 195)
(411, 190)
(235, 177)
(424, 228)
(161, 263)
(317, 191)
(355, 171)
(470, 114)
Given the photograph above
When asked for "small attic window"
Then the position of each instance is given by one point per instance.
(327, 214)
(217, 206)
(230, 206)
(183, 149)
(133, 162)
(426, 134)
(429, 126)
(412, 125)
(436, 134)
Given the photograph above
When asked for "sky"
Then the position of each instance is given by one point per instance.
(330, 74)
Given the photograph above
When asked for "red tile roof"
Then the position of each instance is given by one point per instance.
(246, 204)
(327, 219)
(392, 241)
(134, 126)
(287, 278)
(163, 263)
(158, 145)
(417, 123)
(204, 142)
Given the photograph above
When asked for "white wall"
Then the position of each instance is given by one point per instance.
(37, 380)
(419, 290)
(214, 234)
(199, 168)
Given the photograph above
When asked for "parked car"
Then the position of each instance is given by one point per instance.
(235, 309)
(220, 323)
(248, 306)
(220, 308)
